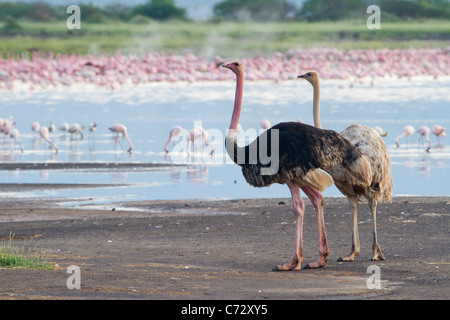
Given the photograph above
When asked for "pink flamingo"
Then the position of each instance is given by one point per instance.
(75, 128)
(43, 132)
(35, 126)
(191, 137)
(407, 131)
(174, 131)
(6, 126)
(424, 132)
(195, 134)
(120, 128)
(265, 124)
(439, 132)
(14, 134)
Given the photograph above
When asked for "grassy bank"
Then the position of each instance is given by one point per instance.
(12, 256)
(225, 39)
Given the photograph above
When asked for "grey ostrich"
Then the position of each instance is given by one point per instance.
(369, 143)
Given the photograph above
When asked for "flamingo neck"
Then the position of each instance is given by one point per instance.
(128, 139)
(237, 102)
(316, 104)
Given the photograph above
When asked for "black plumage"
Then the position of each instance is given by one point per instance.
(301, 149)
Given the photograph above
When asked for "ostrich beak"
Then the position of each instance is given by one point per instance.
(301, 76)
(226, 65)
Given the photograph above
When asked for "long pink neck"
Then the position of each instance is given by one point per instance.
(237, 101)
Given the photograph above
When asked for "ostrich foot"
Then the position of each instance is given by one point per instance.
(293, 265)
(349, 258)
(377, 254)
(318, 264)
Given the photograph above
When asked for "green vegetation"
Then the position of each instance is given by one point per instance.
(239, 28)
(233, 10)
(160, 10)
(392, 10)
(225, 39)
(320, 10)
(254, 10)
(17, 257)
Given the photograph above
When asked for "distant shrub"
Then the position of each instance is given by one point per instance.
(140, 19)
(39, 11)
(258, 10)
(160, 10)
(11, 25)
(13, 9)
(415, 9)
(91, 13)
(317, 10)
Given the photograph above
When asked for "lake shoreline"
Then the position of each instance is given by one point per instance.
(224, 249)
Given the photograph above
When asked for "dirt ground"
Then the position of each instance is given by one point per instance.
(213, 250)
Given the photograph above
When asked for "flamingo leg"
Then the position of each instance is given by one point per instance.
(118, 141)
(298, 210)
(317, 201)
(377, 254)
(355, 236)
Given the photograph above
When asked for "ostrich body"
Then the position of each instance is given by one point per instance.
(304, 155)
(368, 141)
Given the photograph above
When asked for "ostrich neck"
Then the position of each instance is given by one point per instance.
(237, 102)
(316, 105)
(230, 140)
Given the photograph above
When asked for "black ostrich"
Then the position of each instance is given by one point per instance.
(300, 158)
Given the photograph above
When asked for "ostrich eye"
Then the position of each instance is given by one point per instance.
(308, 74)
(236, 64)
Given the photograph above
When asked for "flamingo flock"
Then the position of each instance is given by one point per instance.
(7, 129)
(424, 132)
(43, 70)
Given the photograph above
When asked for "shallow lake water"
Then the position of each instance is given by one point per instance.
(150, 110)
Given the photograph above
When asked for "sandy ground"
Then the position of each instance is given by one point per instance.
(212, 250)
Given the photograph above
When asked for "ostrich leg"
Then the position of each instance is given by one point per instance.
(377, 254)
(317, 201)
(299, 210)
(355, 236)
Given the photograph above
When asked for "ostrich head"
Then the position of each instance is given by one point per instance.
(235, 66)
(311, 76)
